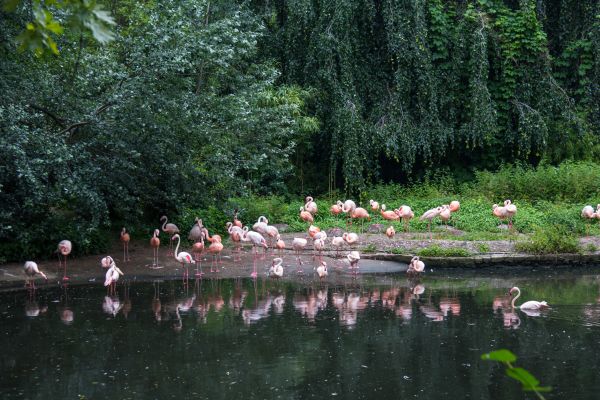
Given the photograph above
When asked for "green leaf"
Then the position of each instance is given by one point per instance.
(528, 381)
(501, 355)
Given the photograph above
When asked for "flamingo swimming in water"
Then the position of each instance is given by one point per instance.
(64, 249)
(276, 270)
(155, 244)
(528, 305)
(184, 258)
(353, 257)
(31, 270)
(171, 229)
(416, 266)
(125, 239)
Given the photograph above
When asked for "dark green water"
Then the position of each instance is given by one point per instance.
(239, 339)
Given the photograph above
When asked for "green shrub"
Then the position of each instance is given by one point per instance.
(370, 248)
(483, 248)
(550, 240)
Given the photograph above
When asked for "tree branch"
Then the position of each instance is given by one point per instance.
(60, 121)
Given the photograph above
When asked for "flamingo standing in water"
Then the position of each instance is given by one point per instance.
(112, 276)
(276, 270)
(310, 205)
(353, 257)
(416, 266)
(319, 243)
(588, 213)
(528, 305)
(306, 216)
(322, 270)
(64, 249)
(31, 270)
(171, 229)
(429, 215)
(280, 244)
(125, 239)
(298, 244)
(155, 244)
(184, 258)
(107, 262)
(511, 210)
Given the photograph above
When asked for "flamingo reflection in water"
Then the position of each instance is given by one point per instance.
(111, 305)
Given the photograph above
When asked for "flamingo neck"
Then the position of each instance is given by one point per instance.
(515, 298)
(177, 247)
(164, 224)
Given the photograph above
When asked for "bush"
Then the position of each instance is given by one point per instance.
(556, 239)
(437, 251)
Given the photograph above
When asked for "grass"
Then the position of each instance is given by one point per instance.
(437, 251)
(550, 241)
(483, 248)
(591, 248)
(370, 248)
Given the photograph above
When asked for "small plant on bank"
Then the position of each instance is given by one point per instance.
(370, 248)
(483, 248)
(399, 250)
(528, 381)
(552, 240)
(437, 251)
(591, 248)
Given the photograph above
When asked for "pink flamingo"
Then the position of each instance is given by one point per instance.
(374, 205)
(235, 234)
(362, 214)
(212, 239)
(280, 244)
(528, 305)
(319, 243)
(429, 215)
(348, 208)
(445, 214)
(298, 244)
(31, 270)
(215, 249)
(454, 206)
(272, 233)
(125, 239)
(64, 249)
(350, 238)
(337, 242)
(184, 258)
(353, 257)
(155, 244)
(310, 205)
(588, 213)
(306, 216)
(171, 229)
(406, 213)
(388, 215)
(257, 240)
(107, 262)
(335, 209)
(236, 221)
(416, 266)
(112, 276)
(196, 231)
(313, 230)
(511, 210)
(261, 225)
(499, 212)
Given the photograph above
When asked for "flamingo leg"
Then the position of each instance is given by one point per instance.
(65, 277)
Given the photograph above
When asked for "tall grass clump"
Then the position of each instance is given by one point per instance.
(553, 240)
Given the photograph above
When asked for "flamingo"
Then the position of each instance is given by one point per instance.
(184, 258)
(276, 270)
(361, 214)
(499, 212)
(31, 270)
(406, 213)
(235, 234)
(306, 216)
(430, 215)
(374, 205)
(298, 244)
(416, 266)
(588, 213)
(171, 229)
(280, 244)
(319, 243)
(261, 225)
(215, 249)
(528, 305)
(272, 233)
(454, 206)
(155, 244)
(350, 238)
(322, 270)
(348, 208)
(445, 213)
(125, 239)
(213, 238)
(196, 231)
(390, 232)
(236, 221)
(198, 249)
(337, 242)
(388, 215)
(313, 230)
(256, 238)
(310, 205)
(64, 249)
(353, 257)
(511, 210)
(112, 276)
(335, 209)
(107, 262)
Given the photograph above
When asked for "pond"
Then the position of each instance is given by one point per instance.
(380, 337)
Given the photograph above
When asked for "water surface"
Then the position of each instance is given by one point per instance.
(372, 339)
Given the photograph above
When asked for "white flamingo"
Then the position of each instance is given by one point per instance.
(310, 205)
(112, 276)
(31, 270)
(261, 225)
(184, 258)
(429, 215)
(276, 270)
(416, 266)
(322, 270)
(528, 305)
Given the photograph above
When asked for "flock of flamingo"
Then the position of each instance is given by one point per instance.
(267, 236)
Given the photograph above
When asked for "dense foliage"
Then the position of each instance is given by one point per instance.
(119, 111)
